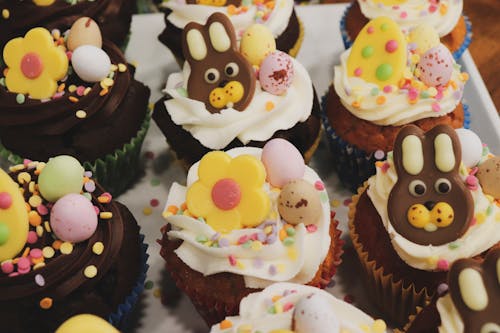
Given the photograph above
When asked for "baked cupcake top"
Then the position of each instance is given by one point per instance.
(59, 230)
(226, 92)
(442, 15)
(390, 78)
(438, 199)
(473, 298)
(243, 13)
(258, 213)
(292, 308)
(56, 84)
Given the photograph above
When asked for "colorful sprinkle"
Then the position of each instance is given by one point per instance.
(46, 303)
(98, 248)
(90, 271)
(39, 280)
(66, 248)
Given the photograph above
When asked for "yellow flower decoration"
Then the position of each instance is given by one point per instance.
(42, 3)
(35, 64)
(228, 193)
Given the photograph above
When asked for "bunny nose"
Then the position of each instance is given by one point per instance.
(223, 83)
(429, 205)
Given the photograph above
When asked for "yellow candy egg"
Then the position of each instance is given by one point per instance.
(257, 43)
(43, 3)
(378, 54)
(425, 37)
(14, 222)
(86, 323)
(84, 31)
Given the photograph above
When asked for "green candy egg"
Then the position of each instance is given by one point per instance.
(61, 175)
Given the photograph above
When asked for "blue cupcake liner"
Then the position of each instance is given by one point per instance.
(120, 316)
(346, 39)
(353, 165)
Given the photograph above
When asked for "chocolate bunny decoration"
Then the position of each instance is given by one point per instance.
(429, 204)
(475, 292)
(220, 76)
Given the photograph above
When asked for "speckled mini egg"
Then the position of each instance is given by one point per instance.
(472, 147)
(425, 37)
(84, 31)
(314, 314)
(90, 63)
(299, 202)
(283, 162)
(276, 73)
(435, 66)
(73, 218)
(256, 43)
(61, 175)
(489, 176)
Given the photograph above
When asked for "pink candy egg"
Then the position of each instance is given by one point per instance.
(73, 218)
(276, 73)
(436, 66)
(283, 162)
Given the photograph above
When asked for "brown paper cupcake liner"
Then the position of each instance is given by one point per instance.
(296, 48)
(218, 296)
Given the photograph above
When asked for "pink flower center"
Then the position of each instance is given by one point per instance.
(226, 194)
(31, 65)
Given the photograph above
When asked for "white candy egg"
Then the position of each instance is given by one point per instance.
(314, 314)
(90, 63)
(472, 147)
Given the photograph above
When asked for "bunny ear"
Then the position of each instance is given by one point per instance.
(193, 42)
(221, 32)
(408, 151)
(447, 151)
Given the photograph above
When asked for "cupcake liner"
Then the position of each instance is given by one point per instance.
(115, 171)
(390, 295)
(120, 317)
(354, 165)
(296, 48)
(343, 31)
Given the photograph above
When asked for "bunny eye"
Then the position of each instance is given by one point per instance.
(232, 69)
(417, 188)
(442, 186)
(490, 328)
(212, 75)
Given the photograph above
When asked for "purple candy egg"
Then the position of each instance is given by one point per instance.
(276, 73)
(436, 66)
(283, 162)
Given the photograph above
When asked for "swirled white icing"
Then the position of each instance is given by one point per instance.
(442, 15)
(276, 20)
(397, 110)
(261, 266)
(451, 321)
(217, 130)
(481, 236)
(273, 309)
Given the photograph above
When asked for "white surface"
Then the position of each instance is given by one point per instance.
(320, 51)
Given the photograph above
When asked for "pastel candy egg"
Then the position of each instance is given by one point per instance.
(85, 323)
(314, 314)
(276, 73)
(61, 175)
(472, 147)
(299, 202)
(425, 37)
(282, 161)
(73, 218)
(436, 66)
(90, 63)
(489, 176)
(84, 31)
(256, 43)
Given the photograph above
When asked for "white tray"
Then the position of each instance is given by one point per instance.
(320, 51)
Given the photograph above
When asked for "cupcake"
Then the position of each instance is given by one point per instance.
(293, 308)
(427, 207)
(18, 17)
(469, 302)
(219, 101)
(248, 218)
(383, 83)
(444, 16)
(74, 95)
(66, 248)
(85, 323)
(279, 17)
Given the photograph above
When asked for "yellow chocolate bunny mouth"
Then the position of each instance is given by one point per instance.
(227, 96)
(439, 216)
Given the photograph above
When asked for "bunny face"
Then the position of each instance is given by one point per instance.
(475, 291)
(429, 204)
(220, 76)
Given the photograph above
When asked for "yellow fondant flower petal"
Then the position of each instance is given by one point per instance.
(16, 81)
(213, 167)
(13, 52)
(254, 207)
(247, 171)
(42, 86)
(56, 63)
(38, 40)
(224, 220)
(199, 200)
